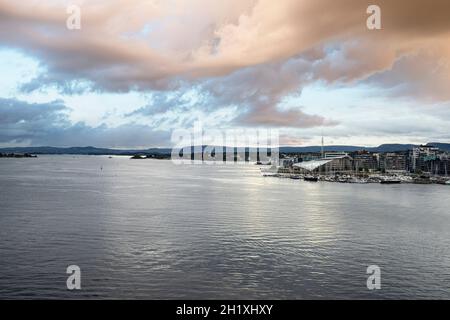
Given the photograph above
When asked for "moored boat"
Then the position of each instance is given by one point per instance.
(358, 180)
(390, 181)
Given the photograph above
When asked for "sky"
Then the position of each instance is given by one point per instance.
(137, 70)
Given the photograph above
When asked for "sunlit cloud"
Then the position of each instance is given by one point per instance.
(159, 65)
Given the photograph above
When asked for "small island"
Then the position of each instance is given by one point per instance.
(17, 155)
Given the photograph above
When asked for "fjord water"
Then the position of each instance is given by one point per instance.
(149, 229)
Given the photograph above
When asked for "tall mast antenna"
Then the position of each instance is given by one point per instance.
(322, 149)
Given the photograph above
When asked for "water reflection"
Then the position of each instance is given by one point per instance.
(149, 229)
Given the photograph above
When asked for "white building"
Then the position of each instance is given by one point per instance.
(337, 164)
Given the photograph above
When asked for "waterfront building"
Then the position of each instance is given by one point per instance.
(287, 162)
(308, 156)
(436, 164)
(423, 159)
(330, 165)
(393, 162)
(365, 161)
(334, 154)
(419, 156)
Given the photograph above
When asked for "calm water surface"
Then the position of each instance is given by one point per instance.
(148, 229)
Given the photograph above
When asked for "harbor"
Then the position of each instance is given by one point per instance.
(353, 178)
(420, 165)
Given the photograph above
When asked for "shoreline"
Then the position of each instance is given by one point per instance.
(379, 178)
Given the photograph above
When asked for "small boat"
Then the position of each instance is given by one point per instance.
(390, 181)
(422, 181)
(295, 177)
(359, 181)
(270, 174)
(311, 178)
(447, 183)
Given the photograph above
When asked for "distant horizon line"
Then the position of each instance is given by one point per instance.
(281, 146)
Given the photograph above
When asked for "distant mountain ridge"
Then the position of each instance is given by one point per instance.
(165, 151)
(84, 150)
(440, 145)
(381, 148)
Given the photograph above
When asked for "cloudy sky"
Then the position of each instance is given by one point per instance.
(139, 69)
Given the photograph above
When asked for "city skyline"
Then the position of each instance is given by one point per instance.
(137, 70)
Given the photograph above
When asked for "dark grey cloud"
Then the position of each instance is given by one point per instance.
(256, 91)
(14, 111)
(161, 102)
(48, 124)
(22, 121)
